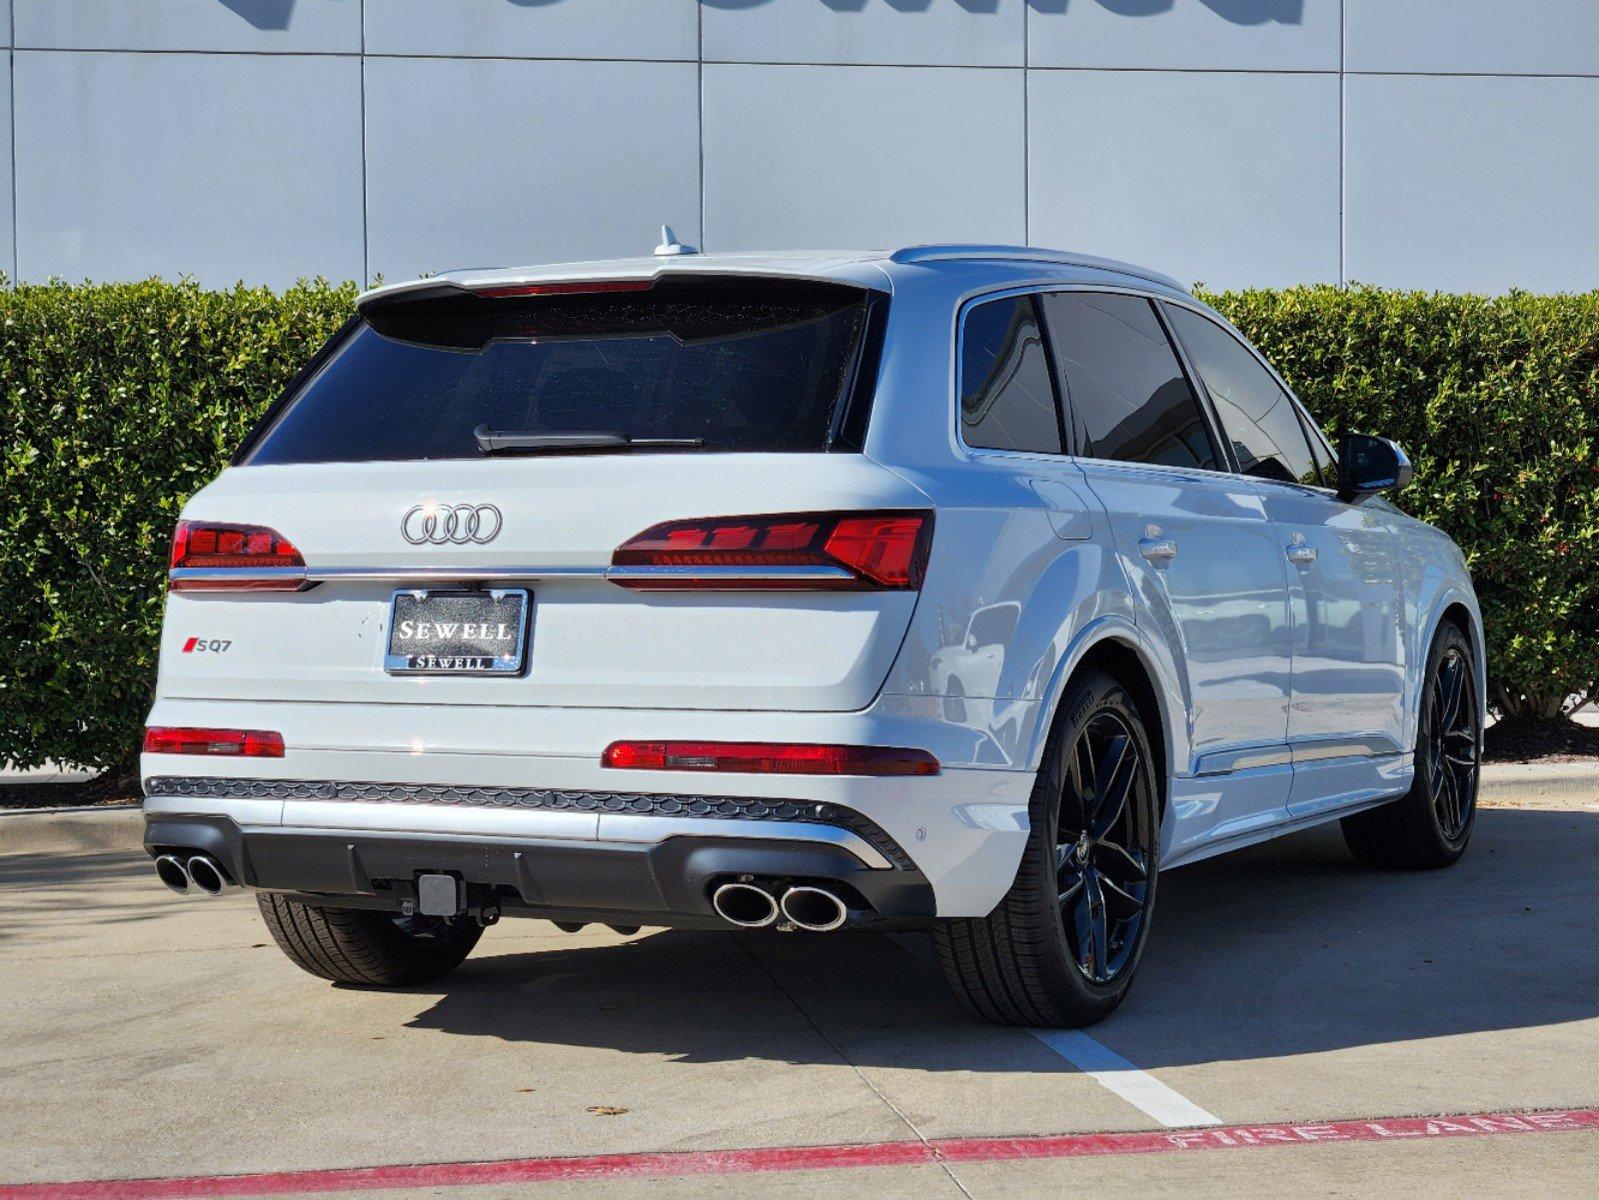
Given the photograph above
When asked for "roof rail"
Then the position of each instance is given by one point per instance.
(951, 253)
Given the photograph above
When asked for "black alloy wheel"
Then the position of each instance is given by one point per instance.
(1103, 849)
(1452, 747)
(1428, 827)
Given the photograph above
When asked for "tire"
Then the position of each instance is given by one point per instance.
(1042, 958)
(368, 948)
(1429, 826)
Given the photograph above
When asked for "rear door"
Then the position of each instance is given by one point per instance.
(1346, 601)
(427, 455)
(1195, 542)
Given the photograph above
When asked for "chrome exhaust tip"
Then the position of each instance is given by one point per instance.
(814, 909)
(169, 869)
(744, 905)
(208, 876)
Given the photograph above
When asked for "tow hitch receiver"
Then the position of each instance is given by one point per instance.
(438, 895)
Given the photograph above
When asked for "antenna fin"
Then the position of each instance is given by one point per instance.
(670, 246)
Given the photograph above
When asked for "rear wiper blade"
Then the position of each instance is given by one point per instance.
(492, 441)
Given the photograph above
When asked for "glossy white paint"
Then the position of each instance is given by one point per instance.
(1286, 693)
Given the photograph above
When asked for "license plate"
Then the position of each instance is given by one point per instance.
(457, 632)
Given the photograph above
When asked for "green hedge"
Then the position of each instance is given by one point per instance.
(1497, 403)
(121, 400)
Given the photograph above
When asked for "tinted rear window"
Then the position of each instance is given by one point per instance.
(739, 365)
(1126, 389)
(1007, 397)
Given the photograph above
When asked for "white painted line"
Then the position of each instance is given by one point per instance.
(1139, 1088)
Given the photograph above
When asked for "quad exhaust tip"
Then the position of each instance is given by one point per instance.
(815, 909)
(169, 869)
(745, 905)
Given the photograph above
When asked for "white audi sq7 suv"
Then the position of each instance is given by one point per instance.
(963, 589)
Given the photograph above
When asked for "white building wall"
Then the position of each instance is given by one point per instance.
(1417, 143)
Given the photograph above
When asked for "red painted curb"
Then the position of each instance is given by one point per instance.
(808, 1158)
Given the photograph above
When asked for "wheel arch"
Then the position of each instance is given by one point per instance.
(1118, 650)
(1459, 608)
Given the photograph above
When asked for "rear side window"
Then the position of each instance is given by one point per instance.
(1007, 396)
(1124, 386)
(1255, 413)
(715, 363)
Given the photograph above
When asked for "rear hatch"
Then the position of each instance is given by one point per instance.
(458, 449)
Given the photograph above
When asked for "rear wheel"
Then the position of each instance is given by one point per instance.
(1062, 947)
(1430, 825)
(367, 948)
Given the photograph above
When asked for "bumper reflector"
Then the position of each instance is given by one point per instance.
(769, 758)
(227, 743)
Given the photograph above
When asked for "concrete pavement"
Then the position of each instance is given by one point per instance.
(143, 1034)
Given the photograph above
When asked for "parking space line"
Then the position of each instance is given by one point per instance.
(1098, 1061)
(680, 1163)
(1139, 1088)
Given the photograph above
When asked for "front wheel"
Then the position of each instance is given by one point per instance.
(1062, 947)
(1429, 826)
(368, 948)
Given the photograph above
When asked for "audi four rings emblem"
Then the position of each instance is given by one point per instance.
(451, 524)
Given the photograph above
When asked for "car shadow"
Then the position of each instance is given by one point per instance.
(54, 891)
(1283, 949)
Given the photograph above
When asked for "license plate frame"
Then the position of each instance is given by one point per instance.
(462, 656)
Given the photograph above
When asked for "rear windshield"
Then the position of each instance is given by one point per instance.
(713, 364)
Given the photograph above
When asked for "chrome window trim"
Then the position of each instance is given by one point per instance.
(1062, 401)
(962, 309)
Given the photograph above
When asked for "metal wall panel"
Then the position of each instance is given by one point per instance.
(1235, 141)
(8, 222)
(862, 156)
(651, 29)
(1473, 183)
(977, 33)
(1228, 179)
(275, 26)
(130, 165)
(1197, 35)
(1534, 37)
(475, 162)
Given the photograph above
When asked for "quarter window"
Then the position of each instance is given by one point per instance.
(1007, 397)
(1125, 388)
(1256, 414)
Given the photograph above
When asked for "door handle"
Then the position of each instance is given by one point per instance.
(1157, 549)
(1301, 555)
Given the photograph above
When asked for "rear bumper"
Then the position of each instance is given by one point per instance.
(535, 775)
(668, 882)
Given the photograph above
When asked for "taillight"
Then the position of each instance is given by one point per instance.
(229, 743)
(801, 551)
(769, 758)
(207, 556)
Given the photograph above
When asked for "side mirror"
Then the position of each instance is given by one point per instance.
(1368, 465)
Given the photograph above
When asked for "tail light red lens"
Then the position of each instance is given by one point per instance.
(227, 743)
(791, 551)
(207, 556)
(769, 758)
